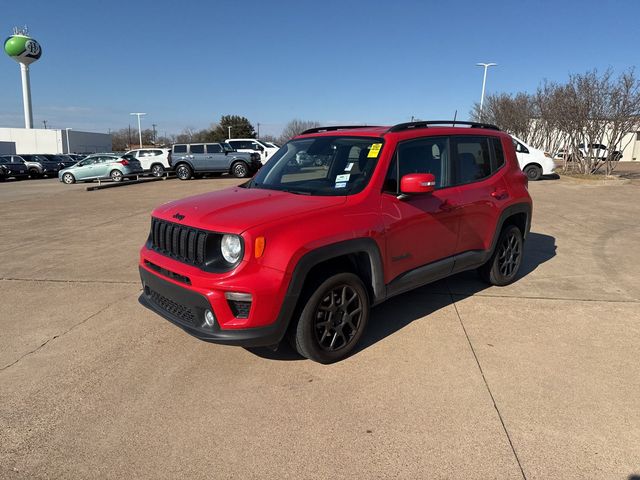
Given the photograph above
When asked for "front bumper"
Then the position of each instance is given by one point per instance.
(186, 308)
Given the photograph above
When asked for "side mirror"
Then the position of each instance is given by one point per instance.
(416, 183)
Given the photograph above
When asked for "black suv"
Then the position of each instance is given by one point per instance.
(13, 166)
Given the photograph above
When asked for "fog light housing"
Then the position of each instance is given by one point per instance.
(209, 319)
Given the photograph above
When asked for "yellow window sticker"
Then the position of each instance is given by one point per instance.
(375, 150)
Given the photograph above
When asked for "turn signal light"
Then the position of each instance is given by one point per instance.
(259, 247)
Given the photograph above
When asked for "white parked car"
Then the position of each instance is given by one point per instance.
(153, 160)
(534, 162)
(253, 145)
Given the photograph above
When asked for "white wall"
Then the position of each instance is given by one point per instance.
(35, 140)
(38, 140)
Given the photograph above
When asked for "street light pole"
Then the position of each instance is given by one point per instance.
(229, 130)
(67, 130)
(484, 82)
(139, 114)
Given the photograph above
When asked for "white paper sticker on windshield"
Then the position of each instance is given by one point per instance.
(341, 185)
(348, 167)
(343, 178)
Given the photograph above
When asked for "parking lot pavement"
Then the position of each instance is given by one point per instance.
(453, 380)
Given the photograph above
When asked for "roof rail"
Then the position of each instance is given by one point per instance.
(335, 127)
(411, 125)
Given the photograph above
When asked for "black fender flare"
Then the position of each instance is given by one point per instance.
(516, 208)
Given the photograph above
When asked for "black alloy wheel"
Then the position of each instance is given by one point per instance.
(333, 319)
(502, 268)
(510, 254)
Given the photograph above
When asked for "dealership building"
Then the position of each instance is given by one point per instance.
(39, 140)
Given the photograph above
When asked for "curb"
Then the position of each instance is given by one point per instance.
(610, 181)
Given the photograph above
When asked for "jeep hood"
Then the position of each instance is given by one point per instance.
(237, 209)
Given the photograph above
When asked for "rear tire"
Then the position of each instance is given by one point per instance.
(184, 172)
(332, 320)
(116, 175)
(68, 178)
(240, 170)
(502, 268)
(533, 172)
(157, 170)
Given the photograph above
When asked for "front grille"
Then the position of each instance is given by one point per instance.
(183, 312)
(239, 309)
(178, 241)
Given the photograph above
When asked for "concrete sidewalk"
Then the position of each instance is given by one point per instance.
(538, 380)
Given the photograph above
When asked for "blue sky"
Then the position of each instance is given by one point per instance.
(187, 63)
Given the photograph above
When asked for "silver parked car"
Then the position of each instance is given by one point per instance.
(101, 165)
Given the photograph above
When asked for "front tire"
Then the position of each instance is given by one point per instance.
(34, 173)
(184, 172)
(533, 172)
(240, 170)
(68, 178)
(332, 320)
(116, 175)
(502, 268)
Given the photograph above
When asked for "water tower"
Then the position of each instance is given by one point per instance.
(24, 50)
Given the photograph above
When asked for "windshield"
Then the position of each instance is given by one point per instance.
(321, 166)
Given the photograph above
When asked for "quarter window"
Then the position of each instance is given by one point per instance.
(473, 161)
(498, 153)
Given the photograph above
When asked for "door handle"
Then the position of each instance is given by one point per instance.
(446, 206)
(500, 194)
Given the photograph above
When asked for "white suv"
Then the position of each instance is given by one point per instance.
(251, 145)
(153, 160)
(533, 162)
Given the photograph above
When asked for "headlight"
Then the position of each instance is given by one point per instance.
(231, 248)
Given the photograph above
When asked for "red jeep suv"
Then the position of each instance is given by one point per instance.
(339, 220)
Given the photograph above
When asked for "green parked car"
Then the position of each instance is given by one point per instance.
(101, 165)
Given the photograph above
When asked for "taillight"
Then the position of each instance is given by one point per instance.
(124, 162)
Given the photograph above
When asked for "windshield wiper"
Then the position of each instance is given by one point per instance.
(295, 192)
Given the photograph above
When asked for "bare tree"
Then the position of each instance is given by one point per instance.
(296, 127)
(589, 110)
(512, 113)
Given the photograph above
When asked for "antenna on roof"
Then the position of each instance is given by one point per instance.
(455, 115)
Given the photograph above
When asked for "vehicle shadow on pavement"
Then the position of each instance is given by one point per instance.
(398, 312)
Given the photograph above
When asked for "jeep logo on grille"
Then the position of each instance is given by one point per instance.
(178, 216)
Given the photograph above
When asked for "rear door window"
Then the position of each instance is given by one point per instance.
(214, 148)
(179, 149)
(472, 159)
(197, 149)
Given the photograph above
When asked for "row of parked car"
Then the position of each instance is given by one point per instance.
(35, 166)
(238, 157)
